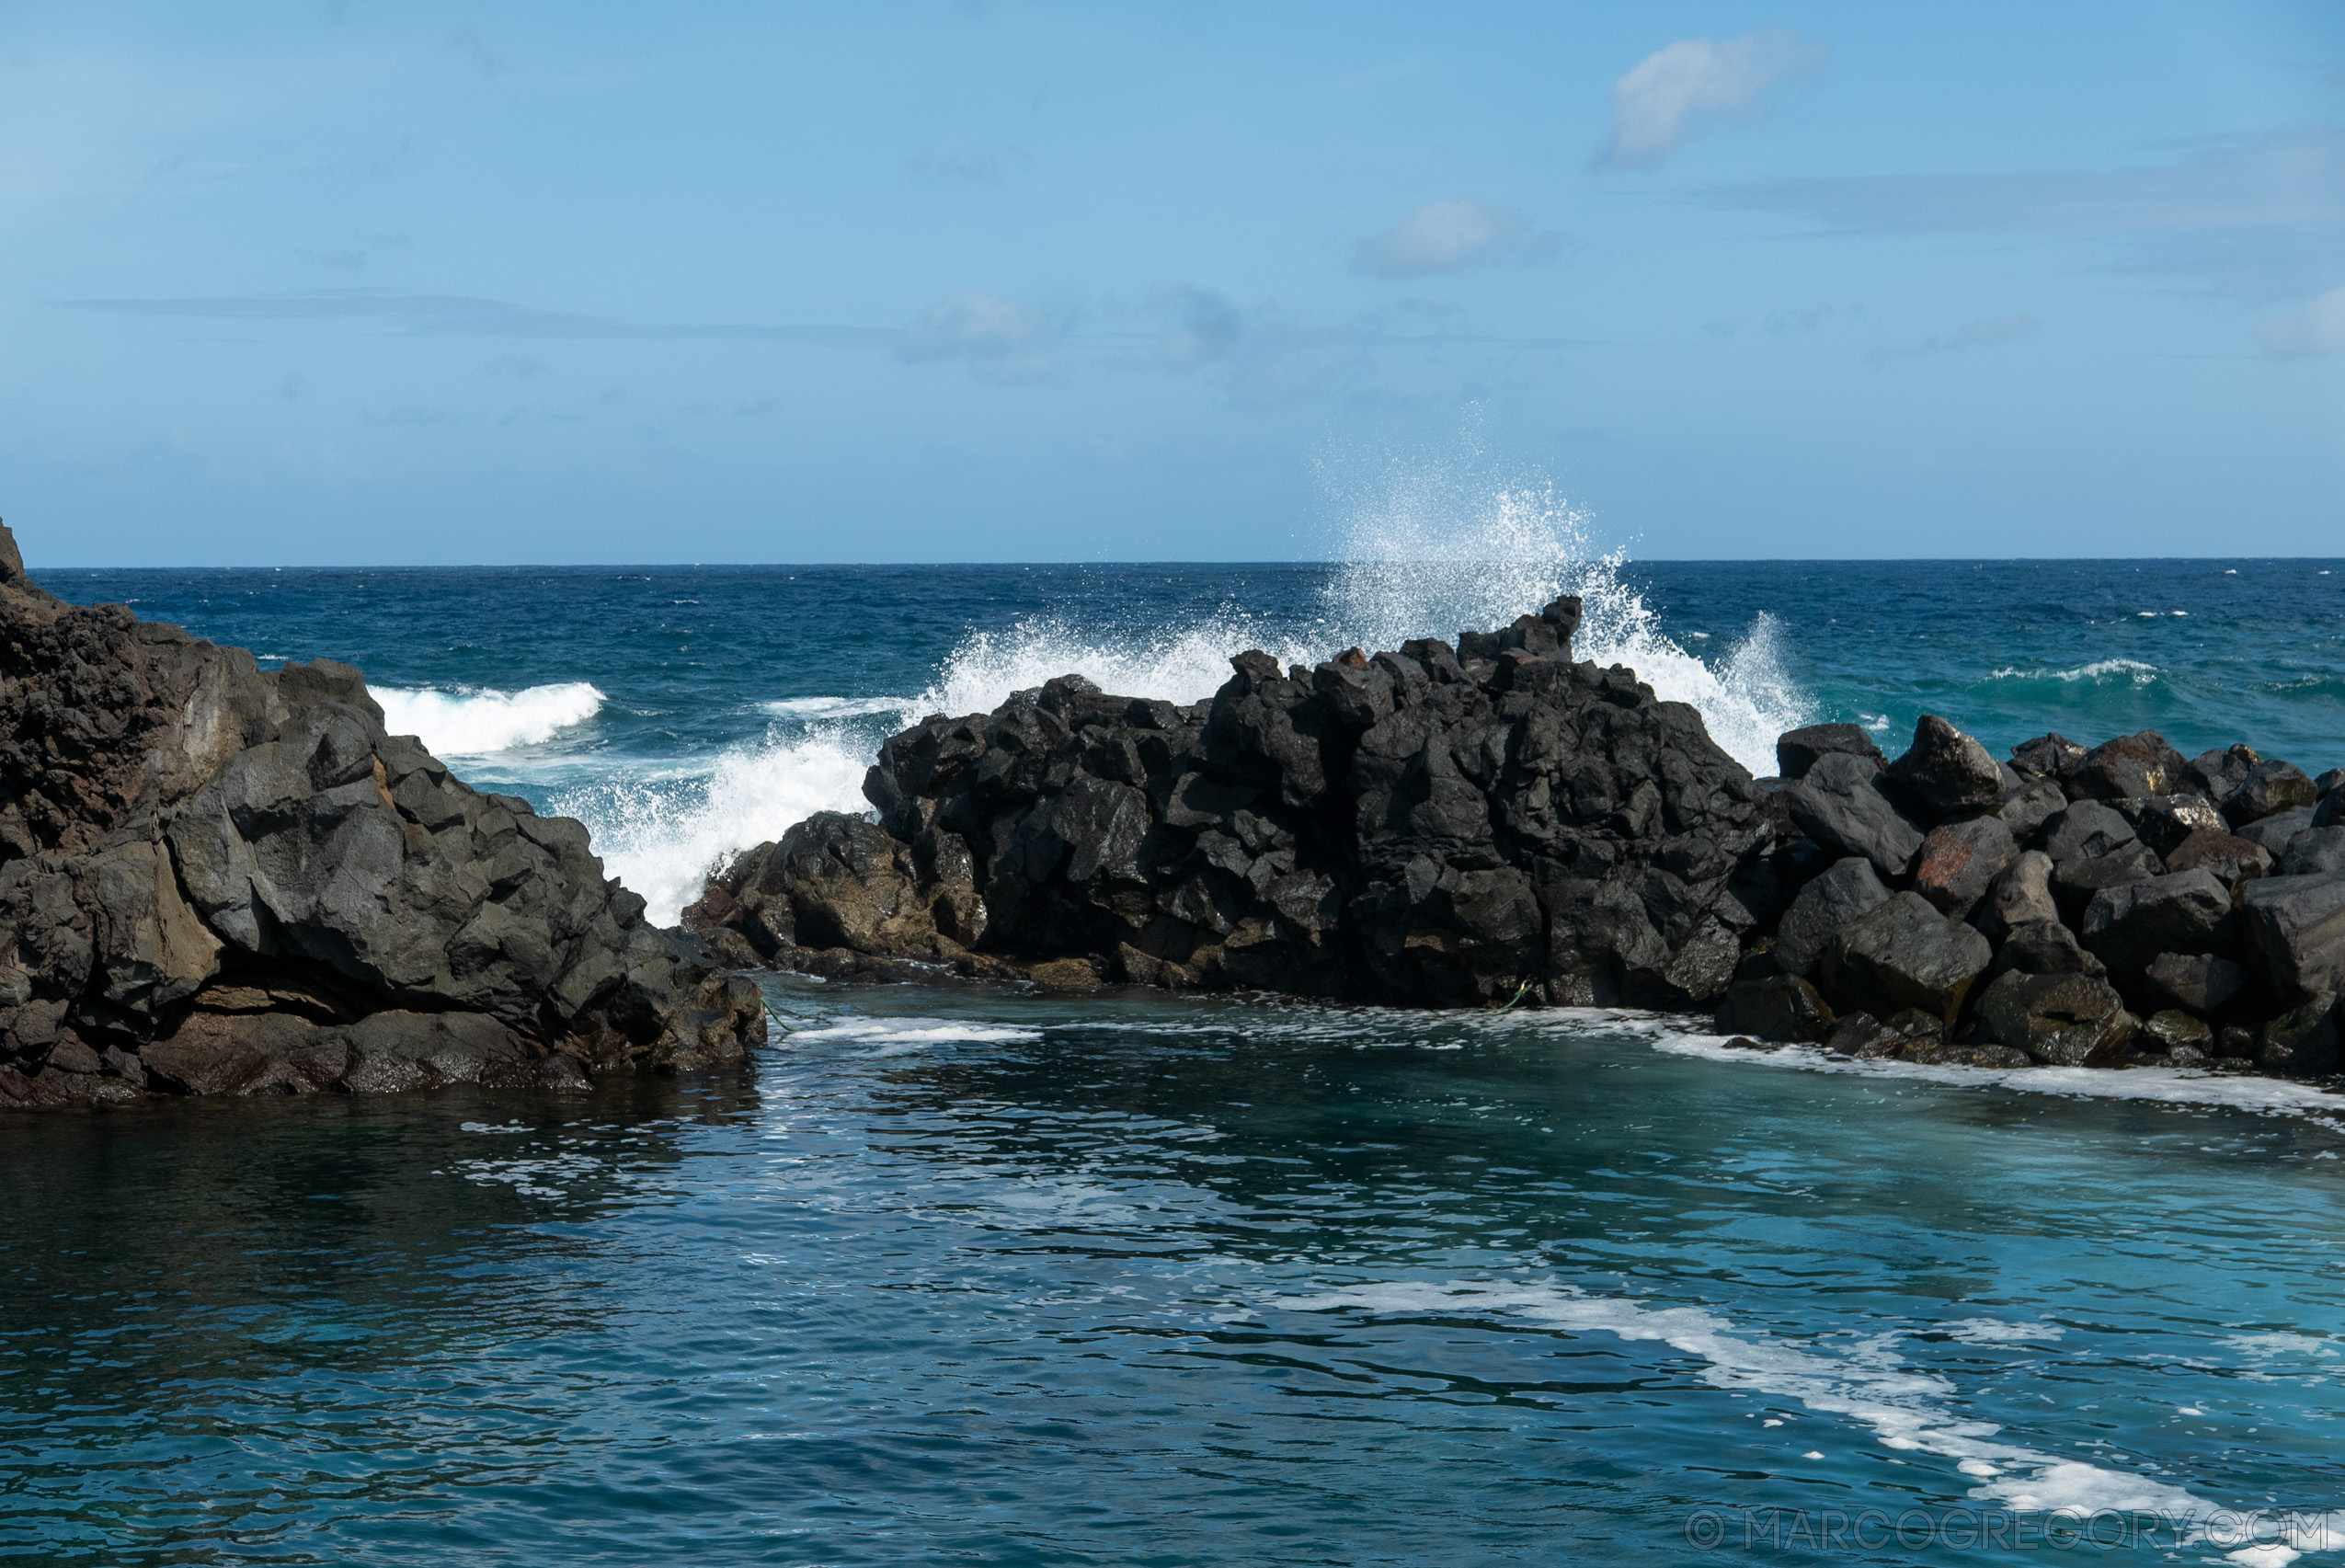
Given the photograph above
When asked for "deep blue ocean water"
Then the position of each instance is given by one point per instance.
(964, 1275)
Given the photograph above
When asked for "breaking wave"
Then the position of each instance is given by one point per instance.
(1429, 548)
(475, 721)
(663, 833)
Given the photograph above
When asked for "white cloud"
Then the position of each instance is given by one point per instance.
(1667, 95)
(1449, 236)
(2318, 328)
(1001, 340)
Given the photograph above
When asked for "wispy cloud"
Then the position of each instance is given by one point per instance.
(978, 167)
(2259, 218)
(1202, 325)
(1002, 341)
(464, 316)
(1970, 334)
(2317, 329)
(1673, 92)
(1452, 237)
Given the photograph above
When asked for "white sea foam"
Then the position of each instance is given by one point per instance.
(2133, 670)
(1994, 1331)
(902, 1036)
(473, 721)
(1907, 1411)
(2179, 1086)
(662, 834)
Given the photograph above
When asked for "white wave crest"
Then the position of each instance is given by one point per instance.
(473, 721)
(2141, 674)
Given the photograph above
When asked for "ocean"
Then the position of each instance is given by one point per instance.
(976, 1277)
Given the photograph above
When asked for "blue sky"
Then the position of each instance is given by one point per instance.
(515, 282)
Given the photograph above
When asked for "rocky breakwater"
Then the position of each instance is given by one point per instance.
(2121, 905)
(220, 880)
(1495, 824)
(1485, 824)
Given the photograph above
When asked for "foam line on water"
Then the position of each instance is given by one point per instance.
(2178, 1086)
(897, 1035)
(478, 721)
(1905, 1410)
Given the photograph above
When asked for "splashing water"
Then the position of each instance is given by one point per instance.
(1429, 549)
(664, 834)
(1425, 553)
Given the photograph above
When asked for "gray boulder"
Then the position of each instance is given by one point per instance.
(2234, 860)
(2295, 933)
(2163, 821)
(2173, 1030)
(1797, 750)
(2272, 786)
(2272, 834)
(2028, 808)
(1780, 1008)
(2046, 757)
(2197, 982)
(1961, 860)
(1846, 889)
(1842, 805)
(1946, 771)
(2215, 775)
(2086, 830)
(2129, 766)
(1904, 954)
(2059, 1020)
(2044, 947)
(2185, 911)
(2020, 895)
(2314, 851)
(2075, 882)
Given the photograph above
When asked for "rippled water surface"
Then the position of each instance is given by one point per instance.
(972, 1278)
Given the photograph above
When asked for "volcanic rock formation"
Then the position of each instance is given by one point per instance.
(216, 879)
(1495, 824)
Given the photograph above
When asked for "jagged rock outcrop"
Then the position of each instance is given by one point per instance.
(1495, 824)
(1434, 826)
(216, 879)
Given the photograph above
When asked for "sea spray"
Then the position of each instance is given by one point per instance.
(663, 833)
(1429, 548)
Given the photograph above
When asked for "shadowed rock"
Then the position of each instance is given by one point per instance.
(2059, 1020)
(215, 879)
(1842, 805)
(1798, 749)
(1946, 771)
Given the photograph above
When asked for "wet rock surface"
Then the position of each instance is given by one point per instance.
(216, 879)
